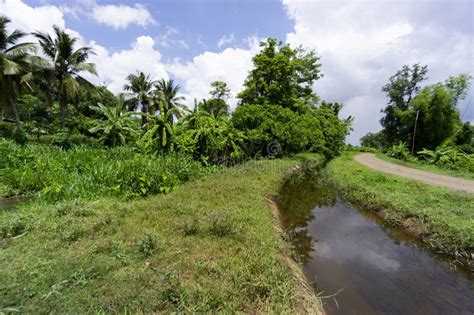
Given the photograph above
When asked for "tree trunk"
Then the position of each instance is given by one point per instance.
(113, 140)
(3, 100)
(1, 111)
(62, 105)
(144, 118)
(11, 102)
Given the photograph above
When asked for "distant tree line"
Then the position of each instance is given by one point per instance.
(422, 117)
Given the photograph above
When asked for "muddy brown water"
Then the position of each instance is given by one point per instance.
(370, 267)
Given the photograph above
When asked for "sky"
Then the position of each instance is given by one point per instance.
(195, 42)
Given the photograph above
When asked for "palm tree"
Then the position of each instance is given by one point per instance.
(13, 66)
(140, 87)
(167, 94)
(67, 64)
(117, 125)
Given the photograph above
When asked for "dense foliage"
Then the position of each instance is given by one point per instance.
(422, 124)
(421, 117)
(83, 172)
(279, 112)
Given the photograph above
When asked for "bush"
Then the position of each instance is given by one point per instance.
(448, 157)
(316, 130)
(147, 245)
(10, 131)
(7, 130)
(400, 152)
(190, 227)
(89, 173)
(61, 139)
(221, 224)
(20, 136)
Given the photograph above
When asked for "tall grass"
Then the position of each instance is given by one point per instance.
(89, 172)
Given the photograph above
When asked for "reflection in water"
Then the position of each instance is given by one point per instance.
(379, 269)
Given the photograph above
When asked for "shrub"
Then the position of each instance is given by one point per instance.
(221, 224)
(88, 172)
(172, 291)
(400, 152)
(448, 157)
(14, 226)
(190, 227)
(147, 245)
(6, 130)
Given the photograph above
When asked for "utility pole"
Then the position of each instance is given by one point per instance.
(414, 134)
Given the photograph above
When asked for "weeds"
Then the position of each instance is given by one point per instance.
(191, 227)
(148, 245)
(221, 224)
(92, 172)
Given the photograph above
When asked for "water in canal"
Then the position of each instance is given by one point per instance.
(374, 269)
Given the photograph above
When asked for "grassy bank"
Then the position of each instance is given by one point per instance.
(427, 167)
(442, 217)
(88, 173)
(210, 245)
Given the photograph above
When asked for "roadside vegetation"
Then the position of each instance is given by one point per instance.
(423, 126)
(421, 165)
(441, 217)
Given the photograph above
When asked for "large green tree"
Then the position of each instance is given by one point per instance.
(401, 89)
(281, 76)
(67, 63)
(13, 66)
(432, 108)
(438, 117)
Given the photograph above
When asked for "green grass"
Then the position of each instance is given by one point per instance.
(444, 217)
(211, 245)
(428, 167)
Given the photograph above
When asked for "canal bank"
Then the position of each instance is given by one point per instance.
(363, 264)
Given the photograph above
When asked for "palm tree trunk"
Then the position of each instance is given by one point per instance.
(62, 106)
(144, 118)
(12, 104)
(14, 110)
(3, 100)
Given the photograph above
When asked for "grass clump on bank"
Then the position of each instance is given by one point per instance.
(87, 173)
(210, 245)
(442, 217)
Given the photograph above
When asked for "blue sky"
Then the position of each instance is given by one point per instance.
(361, 43)
(199, 24)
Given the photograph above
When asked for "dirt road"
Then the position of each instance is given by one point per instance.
(371, 161)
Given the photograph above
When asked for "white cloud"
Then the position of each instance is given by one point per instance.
(29, 19)
(168, 38)
(113, 68)
(230, 65)
(120, 16)
(363, 43)
(225, 40)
